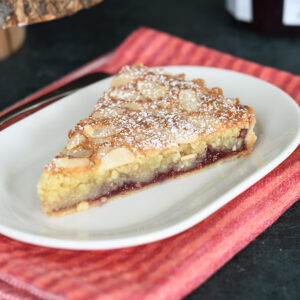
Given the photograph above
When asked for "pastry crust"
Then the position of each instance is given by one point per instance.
(149, 126)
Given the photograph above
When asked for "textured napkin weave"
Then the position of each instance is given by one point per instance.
(172, 268)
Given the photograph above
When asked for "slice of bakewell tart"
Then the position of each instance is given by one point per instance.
(148, 126)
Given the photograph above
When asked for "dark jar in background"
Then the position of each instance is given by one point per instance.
(267, 16)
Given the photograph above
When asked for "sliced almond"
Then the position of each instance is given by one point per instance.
(75, 140)
(122, 79)
(189, 100)
(108, 112)
(114, 174)
(232, 101)
(132, 106)
(102, 151)
(126, 94)
(116, 158)
(79, 152)
(101, 140)
(97, 131)
(151, 90)
(189, 156)
(158, 112)
(71, 163)
(82, 206)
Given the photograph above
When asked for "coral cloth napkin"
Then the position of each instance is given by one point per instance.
(172, 268)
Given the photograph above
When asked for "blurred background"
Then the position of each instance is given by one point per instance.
(55, 48)
(270, 266)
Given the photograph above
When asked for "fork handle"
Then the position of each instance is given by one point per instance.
(52, 96)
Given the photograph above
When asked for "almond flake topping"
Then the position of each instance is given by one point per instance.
(147, 109)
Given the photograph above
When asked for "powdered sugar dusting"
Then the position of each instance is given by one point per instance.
(150, 109)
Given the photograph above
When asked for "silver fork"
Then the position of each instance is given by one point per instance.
(52, 96)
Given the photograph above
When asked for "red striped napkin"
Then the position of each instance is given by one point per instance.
(172, 268)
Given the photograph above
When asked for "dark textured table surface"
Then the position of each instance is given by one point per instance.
(269, 268)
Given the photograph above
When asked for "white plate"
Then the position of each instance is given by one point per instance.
(159, 212)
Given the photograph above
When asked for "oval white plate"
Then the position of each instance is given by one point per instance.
(156, 213)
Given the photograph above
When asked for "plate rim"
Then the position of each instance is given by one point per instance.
(144, 238)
